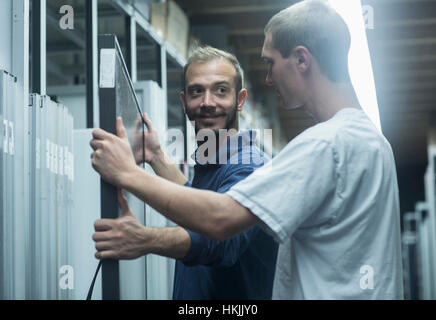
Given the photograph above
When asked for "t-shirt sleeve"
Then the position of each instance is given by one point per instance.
(298, 184)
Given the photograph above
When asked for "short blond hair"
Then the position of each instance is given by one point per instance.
(315, 25)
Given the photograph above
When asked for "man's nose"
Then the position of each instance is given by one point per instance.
(268, 79)
(208, 99)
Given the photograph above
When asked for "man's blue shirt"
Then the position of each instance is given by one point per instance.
(241, 267)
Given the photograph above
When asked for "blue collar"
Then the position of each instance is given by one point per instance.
(234, 145)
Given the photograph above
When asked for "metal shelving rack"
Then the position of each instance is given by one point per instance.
(164, 53)
(134, 19)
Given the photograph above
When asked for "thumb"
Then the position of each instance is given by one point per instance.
(124, 204)
(121, 131)
(148, 122)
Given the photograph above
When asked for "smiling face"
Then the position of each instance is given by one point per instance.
(284, 74)
(210, 98)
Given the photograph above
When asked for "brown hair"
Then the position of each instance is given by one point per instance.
(208, 53)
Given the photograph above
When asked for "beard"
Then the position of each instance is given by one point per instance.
(229, 127)
(231, 117)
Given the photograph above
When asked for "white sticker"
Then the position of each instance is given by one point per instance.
(64, 163)
(11, 139)
(47, 154)
(72, 167)
(38, 153)
(61, 160)
(107, 68)
(51, 164)
(69, 165)
(66, 166)
(5, 135)
(55, 159)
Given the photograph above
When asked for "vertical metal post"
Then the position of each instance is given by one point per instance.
(161, 67)
(39, 46)
(133, 62)
(130, 27)
(164, 83)
(128, 44)
(162, 74)
(92, 110)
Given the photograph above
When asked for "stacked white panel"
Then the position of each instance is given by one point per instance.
(8, 197)
(85, 210)
(408, 241)
(148, 277)
(52, 176)
(427, 232)
(160, 270)
(421, 211)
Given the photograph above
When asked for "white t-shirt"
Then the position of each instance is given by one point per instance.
(331, 198)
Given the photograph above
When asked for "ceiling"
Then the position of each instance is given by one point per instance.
(403, 52)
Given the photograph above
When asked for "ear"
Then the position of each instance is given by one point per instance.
(182, 99)
(242, 96)
(303, 58)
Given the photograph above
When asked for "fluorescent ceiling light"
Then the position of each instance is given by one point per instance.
(359, 60)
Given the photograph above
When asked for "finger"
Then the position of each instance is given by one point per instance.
(94, 160)
(107, 254)
(96, 144)
(100, 134)
(148, 122)
(104, 245)
(121, 131)
(103, 224)
(102, 236)
(138, 123)
(122, 201)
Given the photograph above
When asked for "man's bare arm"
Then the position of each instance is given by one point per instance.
(165, 168)
(127, 238)
(171, 242)
(212, 214)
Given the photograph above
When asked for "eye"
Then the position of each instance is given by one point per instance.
(221, 90)
(195, 91)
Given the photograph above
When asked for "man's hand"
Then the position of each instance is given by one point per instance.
(122, 238)
(112, 157)
(154, 155)
(151, 140)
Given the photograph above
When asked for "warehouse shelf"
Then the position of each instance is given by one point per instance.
(129, 10)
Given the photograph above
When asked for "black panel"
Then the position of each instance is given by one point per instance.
(119, 100)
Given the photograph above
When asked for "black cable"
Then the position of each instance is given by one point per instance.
(88, 297)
